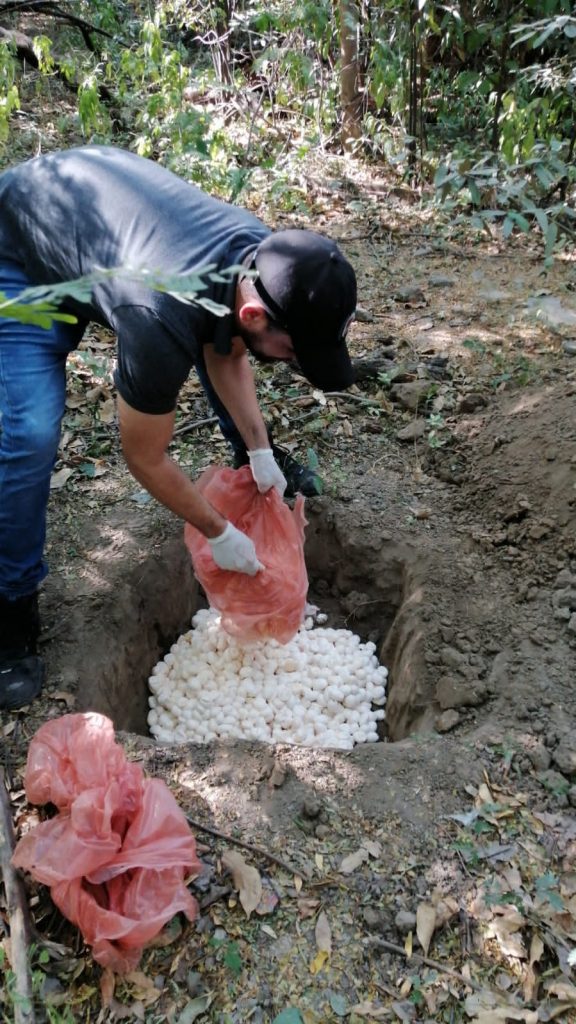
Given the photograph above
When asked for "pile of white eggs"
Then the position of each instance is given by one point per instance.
(325, 688)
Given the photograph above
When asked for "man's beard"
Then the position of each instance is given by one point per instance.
(248, 339)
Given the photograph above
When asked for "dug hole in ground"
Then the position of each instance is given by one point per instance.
(468, 647)
(457, 562)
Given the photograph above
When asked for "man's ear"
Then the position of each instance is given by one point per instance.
(252, 315)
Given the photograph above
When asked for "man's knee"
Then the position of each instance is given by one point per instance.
(30, 435)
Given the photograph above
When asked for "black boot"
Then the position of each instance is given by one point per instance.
(21, 670)
(299, 479)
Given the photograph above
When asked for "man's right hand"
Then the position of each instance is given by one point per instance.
(234, 551)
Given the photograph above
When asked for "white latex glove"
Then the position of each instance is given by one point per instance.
(235, 551)
(266, 471)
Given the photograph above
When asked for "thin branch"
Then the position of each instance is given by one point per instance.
(258, 851)
(18, 914)
(47, 7)
(25, 52)
(192, 424)
(350, 398)
(391, 947)
(209, 420)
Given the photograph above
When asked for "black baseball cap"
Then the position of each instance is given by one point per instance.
(309, 287)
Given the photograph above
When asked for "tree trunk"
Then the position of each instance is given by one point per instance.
(502, 76)
(350, 93)
(221, 50)
(414, 97)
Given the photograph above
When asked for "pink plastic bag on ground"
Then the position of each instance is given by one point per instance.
(117, 855)
(270, 604)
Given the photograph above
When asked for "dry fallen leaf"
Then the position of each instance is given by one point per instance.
(368, 1010)
(318, 962)
(487, 1008)
(505, 928)
(107, 411)
(563, 990)
(446, 908)
(420, 512)
(323, 933)
(269, 900)
(530, 985)
(552, 1010)
(68, 698)
(536, 949)
(75, 401)
(353, 861)
(246, 878)
(107, 986)
(373, 846)
(425, 925)
(60, 478)
(307, 907)
(127, 1011)
(143, 988)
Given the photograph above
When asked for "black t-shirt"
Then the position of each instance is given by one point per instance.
(65, 214)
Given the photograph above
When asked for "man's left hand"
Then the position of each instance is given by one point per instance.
(266, 472)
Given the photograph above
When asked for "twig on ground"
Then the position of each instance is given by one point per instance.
(207, 421)
(192, 424)
(18, 914)
(391, 947)
(351, 398)
(257, 850)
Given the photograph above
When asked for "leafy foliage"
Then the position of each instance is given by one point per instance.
(41, 304)
(475, 97)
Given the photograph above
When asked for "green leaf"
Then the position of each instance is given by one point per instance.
(36, 313)
(232, 958)
(521, 221)
(474, 193)
(507, 227)
(88, 469)
(312, 459)
(543, 175)
(39, 305)
(542, 219)
(474, 345)
(552, 26)
(338, 1004)
(441, 175)
(551, 236)
(547, 890)
(290, 1016)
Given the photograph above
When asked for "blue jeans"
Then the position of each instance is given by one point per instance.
(32, 400)
(225, 421)
(32, 403)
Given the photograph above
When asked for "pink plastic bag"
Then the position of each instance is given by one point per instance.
(117, 855)
(270, 604)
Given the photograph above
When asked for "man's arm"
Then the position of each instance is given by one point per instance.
(145, 440)
(233, 380)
